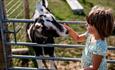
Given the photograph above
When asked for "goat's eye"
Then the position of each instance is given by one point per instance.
(41, 9)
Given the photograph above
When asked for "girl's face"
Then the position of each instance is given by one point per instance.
(91, 29)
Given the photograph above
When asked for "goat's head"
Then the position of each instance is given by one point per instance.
(45, 23)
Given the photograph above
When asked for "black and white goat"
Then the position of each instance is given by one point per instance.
(44, 29)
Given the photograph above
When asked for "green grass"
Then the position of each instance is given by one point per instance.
(62, 10)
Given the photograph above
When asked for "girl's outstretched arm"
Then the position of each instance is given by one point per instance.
(75, 35)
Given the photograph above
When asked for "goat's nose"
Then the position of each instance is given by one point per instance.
(67, 32)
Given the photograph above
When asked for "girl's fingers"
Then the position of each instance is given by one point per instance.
(66, 26)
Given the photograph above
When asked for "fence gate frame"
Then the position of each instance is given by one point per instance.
(4, 52)
(5, 45)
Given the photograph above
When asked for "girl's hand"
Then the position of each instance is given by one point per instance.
(67, 27)
(76, 37)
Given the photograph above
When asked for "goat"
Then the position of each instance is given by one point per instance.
(44, 29)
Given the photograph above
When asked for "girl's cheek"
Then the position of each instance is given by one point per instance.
(90, 30)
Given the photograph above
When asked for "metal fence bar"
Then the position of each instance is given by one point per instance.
(44, 45)
(22, 68)
(110, 61)
(111, 48)
(50, 45)
(32, 21)
(14, 32)
(51, 58)
(26, 68)
(45, 58)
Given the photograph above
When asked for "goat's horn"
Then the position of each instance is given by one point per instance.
(45, 3)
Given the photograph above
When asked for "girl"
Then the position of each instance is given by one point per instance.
(99, 26)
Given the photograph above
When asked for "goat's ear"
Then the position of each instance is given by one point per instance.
(45, 3)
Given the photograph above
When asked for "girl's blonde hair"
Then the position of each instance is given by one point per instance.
(102, 19)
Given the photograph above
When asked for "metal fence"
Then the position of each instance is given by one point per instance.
(6, 43)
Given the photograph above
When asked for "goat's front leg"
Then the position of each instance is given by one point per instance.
(45, 64)
(53, 65)
(39, 63)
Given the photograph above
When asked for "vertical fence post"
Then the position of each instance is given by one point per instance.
(26, 13)
(4, 50)
(2, 61)
(26, 9)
